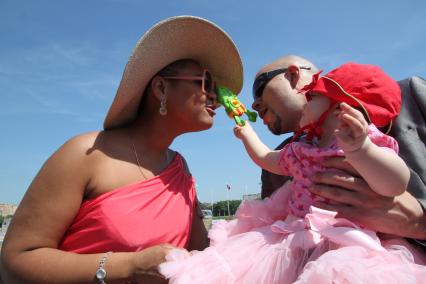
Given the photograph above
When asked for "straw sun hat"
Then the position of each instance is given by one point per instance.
(181, 37)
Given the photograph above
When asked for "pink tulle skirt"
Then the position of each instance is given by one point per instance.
(265, 245)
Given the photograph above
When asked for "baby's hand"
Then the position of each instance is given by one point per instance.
(352, 132)
(242, 132)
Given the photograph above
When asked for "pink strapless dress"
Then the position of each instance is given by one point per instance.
(284, 239)
(136, 216)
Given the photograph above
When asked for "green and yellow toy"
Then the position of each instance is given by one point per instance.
(233, 107)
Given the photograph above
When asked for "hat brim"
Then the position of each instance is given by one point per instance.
(330, 88)
(181, 37)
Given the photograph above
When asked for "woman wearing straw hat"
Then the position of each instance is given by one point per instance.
(107, 206)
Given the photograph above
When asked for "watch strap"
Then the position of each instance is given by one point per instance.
(101, 271)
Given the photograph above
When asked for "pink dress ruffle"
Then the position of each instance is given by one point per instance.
(316, 249)
(284, 239)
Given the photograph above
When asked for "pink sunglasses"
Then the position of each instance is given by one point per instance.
(207, 84)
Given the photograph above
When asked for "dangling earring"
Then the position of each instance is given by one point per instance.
(163, 105)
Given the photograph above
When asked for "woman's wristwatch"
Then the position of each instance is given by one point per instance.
(101, 272)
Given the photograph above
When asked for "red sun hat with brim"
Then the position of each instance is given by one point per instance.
(362, 86)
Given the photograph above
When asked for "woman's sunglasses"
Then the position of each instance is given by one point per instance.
(207, 83)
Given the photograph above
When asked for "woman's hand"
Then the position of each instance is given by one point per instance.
(146, 263)
(352, 198)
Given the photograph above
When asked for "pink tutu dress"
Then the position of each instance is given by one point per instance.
(284, 239)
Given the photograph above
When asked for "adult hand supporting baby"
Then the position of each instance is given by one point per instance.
(352, 198)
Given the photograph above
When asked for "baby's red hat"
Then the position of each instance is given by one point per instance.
(361, 85)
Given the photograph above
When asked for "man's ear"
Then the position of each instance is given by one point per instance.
(158, 87)
(294, 74)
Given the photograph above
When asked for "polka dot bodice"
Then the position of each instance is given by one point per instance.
(302, 160)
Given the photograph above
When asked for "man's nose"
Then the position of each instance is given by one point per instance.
(259, 107)
(256, 105)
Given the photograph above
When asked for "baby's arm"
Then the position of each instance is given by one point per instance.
(384, 171)
(258, 152)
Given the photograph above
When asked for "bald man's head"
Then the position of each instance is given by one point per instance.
(286, 61)
(276, 92)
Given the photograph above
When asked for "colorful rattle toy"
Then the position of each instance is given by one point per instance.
(233, 107)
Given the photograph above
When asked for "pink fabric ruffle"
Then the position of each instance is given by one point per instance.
(316, 249)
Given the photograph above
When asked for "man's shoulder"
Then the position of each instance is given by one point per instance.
(415, 79)
(285, 142)
(414, 86)
(413, 108)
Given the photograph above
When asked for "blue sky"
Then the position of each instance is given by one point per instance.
(61, 63)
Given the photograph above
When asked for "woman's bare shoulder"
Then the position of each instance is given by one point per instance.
(75, 153)
(82, 141)
(94, 140)
(83, 145)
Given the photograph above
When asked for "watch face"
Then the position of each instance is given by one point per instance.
(100, 274)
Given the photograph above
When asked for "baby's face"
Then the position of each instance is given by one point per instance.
(314, 108)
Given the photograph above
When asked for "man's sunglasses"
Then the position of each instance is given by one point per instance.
(207, 83)
(264, 78)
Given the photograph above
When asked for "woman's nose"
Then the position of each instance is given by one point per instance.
(212, 98)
